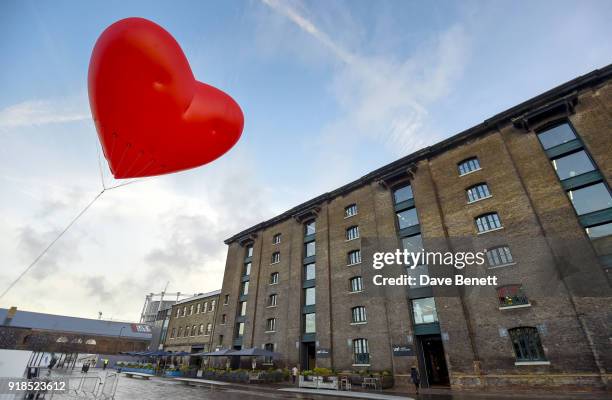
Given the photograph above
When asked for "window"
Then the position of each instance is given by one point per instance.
(499, 256)
(208, 329)
(242, 308)
(275, 257)
(354, 257)
(469, 165)
(194, 330)
(171, 334)
(225, 300)
(601, 237)
(351, 210)
(414, 244)
(309, 296)
(402, 194)
(511, 296)
(477, 192)
(201, 330)
(213, 303)
(191, 309)
(310, 228)
(272, 299)
(556, 136)
(358, 314)
(184, 311)
(268, 347)
(249, 251)
(526, 343)
(572, 165)
(187, 330)
(309, 271)
(244, 288)
(221, 340)
(356, 284)
(271, 325)
(178, 312)
(352, 233)
(180, 332)
(361, 354)
(198, 306)
(488, 222)
(247, 269)
(276, 238)
(273, 278)
(590, 198)
(239, 329)
(223, 319)
(407, 218)
(424, 310)
(310, 249)
(205, 307)
(310, 323)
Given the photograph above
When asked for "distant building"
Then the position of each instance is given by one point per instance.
(159, 329)
(530, 184)
(155, 302)
(191, 325)
(25, 330)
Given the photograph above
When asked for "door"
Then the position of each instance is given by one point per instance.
(308, 356)
(434, 362)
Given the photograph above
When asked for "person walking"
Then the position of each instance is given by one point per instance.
(294, 373)
(105, 364)
(414, 374)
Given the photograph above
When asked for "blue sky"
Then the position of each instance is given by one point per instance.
(330, 91)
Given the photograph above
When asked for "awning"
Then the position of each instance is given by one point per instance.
(218, 353)
(255, 352)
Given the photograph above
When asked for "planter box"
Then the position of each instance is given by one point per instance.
(319, 382)
(173, 373)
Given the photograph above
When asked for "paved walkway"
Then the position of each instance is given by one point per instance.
(355, 395)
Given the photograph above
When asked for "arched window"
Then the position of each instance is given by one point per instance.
(526, 343)
(358, 315)
(499, 256)
(361, 353)
(477, 192)
(488, 222)
(468, 165)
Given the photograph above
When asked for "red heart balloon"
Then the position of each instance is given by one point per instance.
(151, 115)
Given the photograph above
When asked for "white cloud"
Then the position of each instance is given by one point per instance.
(383, 98)
(42, 112)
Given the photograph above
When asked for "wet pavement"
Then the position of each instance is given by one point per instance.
(165, 389)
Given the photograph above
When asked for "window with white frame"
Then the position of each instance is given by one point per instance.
(356, 284)
(271, 325)
(477, 192)
(275, 257)
(352, 233)
(276, 239)
(469, 165)
(208, 329)
(361, 353)
(358, 314)
(499, 256)
(273, 278)
(488, 222)
(351, 210)
(272, 300)
(354, 257)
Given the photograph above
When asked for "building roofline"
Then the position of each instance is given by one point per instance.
(584, 81)
(199, 296)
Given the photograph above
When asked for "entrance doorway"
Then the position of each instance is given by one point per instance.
(433, 364)
(309, 356)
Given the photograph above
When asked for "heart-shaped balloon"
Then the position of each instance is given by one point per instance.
(152, 116)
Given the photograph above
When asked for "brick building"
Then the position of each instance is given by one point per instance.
(531, 185)
(191, 325)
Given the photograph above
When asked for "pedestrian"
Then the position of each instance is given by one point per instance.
(294, 373)
(105, 364)
(414, 374)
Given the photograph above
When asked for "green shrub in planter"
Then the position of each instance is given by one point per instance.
(322, 372)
